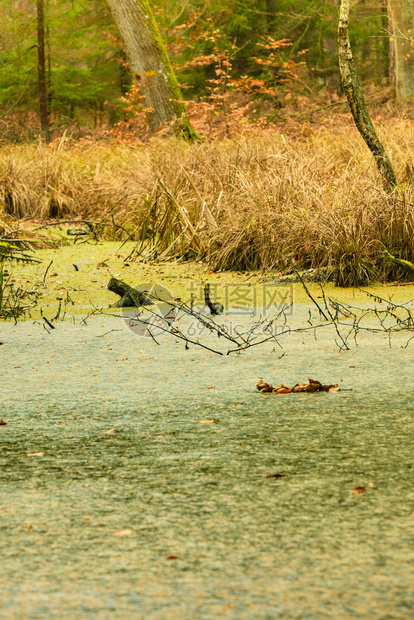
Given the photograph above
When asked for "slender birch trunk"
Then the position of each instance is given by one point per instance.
(353, 91)
(402, 18)
(150, 65)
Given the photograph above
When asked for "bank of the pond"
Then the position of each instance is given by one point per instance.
(258, 201)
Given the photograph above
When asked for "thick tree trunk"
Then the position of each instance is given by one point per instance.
(150, 65)
(402, 16)
(41, 64)
(353, 91)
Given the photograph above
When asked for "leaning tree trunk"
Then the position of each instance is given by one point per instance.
(353, 91)
(150, 65)
(41, 65)
(402, 18)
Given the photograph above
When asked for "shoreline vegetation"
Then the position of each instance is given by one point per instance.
(78, 291)
(266, 201)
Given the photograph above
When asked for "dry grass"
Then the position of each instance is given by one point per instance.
(265, 201)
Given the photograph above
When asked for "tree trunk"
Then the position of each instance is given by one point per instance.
(389, 28)
(270, 14)
(352, 88)
(386, 40)
(41, 65)
(402, 16)
(49, 76)
(129, 296)
(150, 65)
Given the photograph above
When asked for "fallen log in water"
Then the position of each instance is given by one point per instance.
(129, 295)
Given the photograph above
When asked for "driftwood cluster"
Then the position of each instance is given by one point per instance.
(310, 387)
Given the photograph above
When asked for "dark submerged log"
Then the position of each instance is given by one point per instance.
(129, 296)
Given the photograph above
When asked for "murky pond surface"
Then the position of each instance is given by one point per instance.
(172, 513)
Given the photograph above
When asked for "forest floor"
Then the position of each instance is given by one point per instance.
(148, 481)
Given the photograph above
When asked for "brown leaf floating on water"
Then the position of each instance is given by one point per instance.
(302, 387)
(263, 387)
(311, 386)
(357, 490)
(282, 389)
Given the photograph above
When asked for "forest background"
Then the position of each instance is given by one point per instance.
(281, 175)
(271, 52)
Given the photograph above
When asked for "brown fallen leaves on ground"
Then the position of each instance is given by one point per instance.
(310, 387)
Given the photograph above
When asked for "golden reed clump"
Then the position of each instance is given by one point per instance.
(263, 201)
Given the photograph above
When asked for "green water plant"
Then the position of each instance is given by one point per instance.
(10, 302)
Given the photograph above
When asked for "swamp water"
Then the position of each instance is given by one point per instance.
(172, 514)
